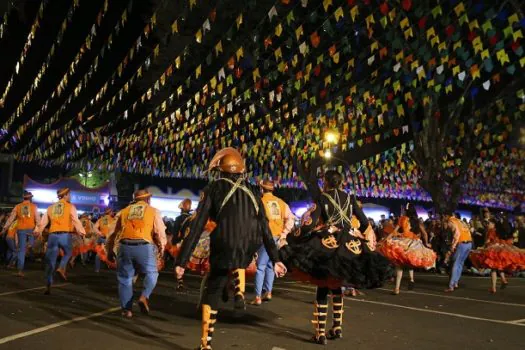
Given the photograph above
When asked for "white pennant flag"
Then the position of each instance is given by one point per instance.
(272, 13)
(461, 76)
(206, 26)
(439, 69)
(397, 66)
(486, 85)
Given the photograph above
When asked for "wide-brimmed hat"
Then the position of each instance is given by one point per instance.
(141, 195)
(63, 192)
(28, 195)
(185, 204)
(228, 160)
(267, 185)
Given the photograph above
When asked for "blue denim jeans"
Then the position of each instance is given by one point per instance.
(461, 254)
(23, 237)
(10, 256)
(56, 241)
(264, 276)
(100, 240)
(144, 257)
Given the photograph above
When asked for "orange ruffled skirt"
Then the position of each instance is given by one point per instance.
(407, 252)
(499, 256)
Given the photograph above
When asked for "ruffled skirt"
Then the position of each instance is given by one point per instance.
(499, 256)
(407, 252)
(332, 260)
(200, 259)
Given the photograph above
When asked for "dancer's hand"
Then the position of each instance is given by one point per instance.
(179, 272)
(447, 257)
(279, 269)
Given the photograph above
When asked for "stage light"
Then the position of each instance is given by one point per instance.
(170, 207)
(43, 195)
(105, 198)
(299, 212)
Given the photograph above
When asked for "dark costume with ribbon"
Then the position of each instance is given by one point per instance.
(330, 249)
(242, 227)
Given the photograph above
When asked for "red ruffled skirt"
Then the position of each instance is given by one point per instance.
(499, 256)
(330, 282)
(407, 252)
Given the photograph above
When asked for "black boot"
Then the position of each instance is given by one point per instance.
(180, 285)
(319, 323)
(225, 294)
(336, 332)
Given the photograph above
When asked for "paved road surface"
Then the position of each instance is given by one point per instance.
(83, 314)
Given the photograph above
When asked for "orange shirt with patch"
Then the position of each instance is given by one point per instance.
(137, 222)
(60, 216)
(105, 224)
(25, 215)
(464, 232)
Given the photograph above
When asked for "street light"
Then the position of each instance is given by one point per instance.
(331, 136)
(85, 176)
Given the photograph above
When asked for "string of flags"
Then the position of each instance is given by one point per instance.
(273, 91)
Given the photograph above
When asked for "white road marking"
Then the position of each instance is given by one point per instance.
(31, 289)
(55, 325)
(518, 321)
(461, 298)
(510, 323)
(423, 275)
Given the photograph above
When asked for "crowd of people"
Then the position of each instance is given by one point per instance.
(240, 228)
(440, 235)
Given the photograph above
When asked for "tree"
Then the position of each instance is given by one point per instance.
(447, 139)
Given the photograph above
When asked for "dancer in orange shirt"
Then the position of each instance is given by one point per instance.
(27, 217)
(63, 219)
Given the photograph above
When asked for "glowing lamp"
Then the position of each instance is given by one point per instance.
(331, 136)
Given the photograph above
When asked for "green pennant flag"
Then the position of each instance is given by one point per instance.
(436, 11)
(290, 17)
(486, 26)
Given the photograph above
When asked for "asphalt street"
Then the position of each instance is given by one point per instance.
(83, 313)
